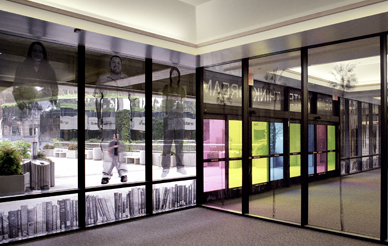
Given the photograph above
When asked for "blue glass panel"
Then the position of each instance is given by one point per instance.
(276, 171)
(311, 140)
(276, 138)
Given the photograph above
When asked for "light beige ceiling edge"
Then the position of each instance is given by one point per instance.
(190, 44)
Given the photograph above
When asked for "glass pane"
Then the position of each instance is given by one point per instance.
(294, 166)
(235, 138)
(114, 119)
(38, 116)
(330, 161)
(311, 138)
(277, 165)
(173, 115)
(330, 137)
(321, 162)
(222, 85)
(375, 130)
(175, 195)
(113, 205)
(37, 217)
(276, 138)
(235, 174)
(349, 71)
(260, 138)
(213, 176)
(260, 170)
(213, 139)
(275, 88)
(321, 138)
(311, 163)
(294, 137)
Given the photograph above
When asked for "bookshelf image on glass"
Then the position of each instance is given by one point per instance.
(113, 205)
(174, 195)
(31, 218)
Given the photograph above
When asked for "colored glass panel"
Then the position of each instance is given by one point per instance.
(311, 158)
(330, 161)
(311, 138)
(260, 170)
(277, 165)
(276, 138)
(235, 174)
(321, 138)
(235, 138)
(294, 137)
(330, 137)
(213, 176)
(294, 166)
(213, 139)
(321, 162)
(260, 138)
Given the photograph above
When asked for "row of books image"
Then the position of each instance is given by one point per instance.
(45, 217)
(173, 196)
(117, 207)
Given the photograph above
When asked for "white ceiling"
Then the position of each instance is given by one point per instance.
(196, 26)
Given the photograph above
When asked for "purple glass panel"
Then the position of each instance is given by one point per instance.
(321, 138)
(213, 176)
(321, 162)
(213, 139)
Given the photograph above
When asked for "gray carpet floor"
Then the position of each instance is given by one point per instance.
(196, 226)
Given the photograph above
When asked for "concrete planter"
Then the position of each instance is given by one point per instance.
(49, 152)
(14, 184)
(72, 154)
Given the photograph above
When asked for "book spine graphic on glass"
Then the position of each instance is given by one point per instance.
(119, 206)
(42, 218)
(167, 198)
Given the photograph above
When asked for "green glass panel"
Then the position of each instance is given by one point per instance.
(235, 174)
(235, 138)
(330, 161)
(294, 166)
(294, 137)
(260, 170)
(330, 137)
(260, 132)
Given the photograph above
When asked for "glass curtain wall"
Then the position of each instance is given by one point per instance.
(114, 119)
(275, 139)
(38, 135)
(222, 136)
(348, 75)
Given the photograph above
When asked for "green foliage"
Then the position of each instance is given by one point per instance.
(157, 129)
(123, 124)
(23, 147)
(48, 146)
(73, 146)
(94, 140)
(10, 161)
(42, 156)
(56, 142)
(73, 140)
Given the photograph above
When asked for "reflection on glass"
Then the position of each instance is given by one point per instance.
(37, 217)
(260, 138)
(170, 196)
(235, 174)
(276, 165)
(311, 148)
(311, 159)
(353, 127)
(107, 96)
(294, 148)
(173, 116)
(321, 138)
(321, 162)
(213, 139)
(106, 206)
(276, 138)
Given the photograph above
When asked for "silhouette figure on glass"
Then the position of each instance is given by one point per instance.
(35, 87)
(107, 105)
(173, 123)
